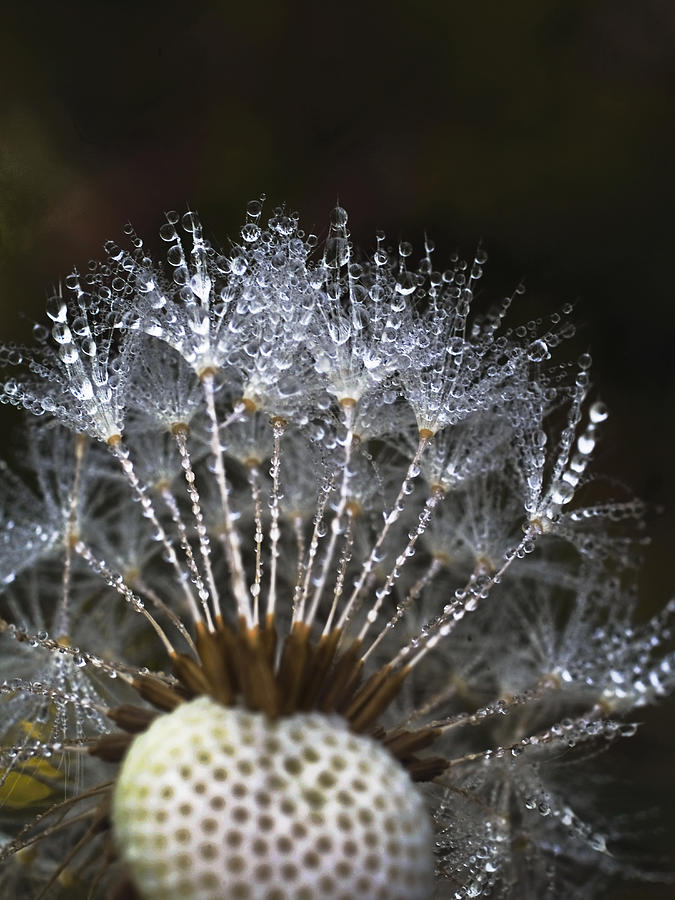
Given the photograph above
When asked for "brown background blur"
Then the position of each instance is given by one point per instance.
(544, 127)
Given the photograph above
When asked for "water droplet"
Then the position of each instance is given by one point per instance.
(336, 252)
(562, 493)
(254, 208)
(56, 309)
(598, 412)
(538, 351)
(168, 233)
(250, 232)
(338, 217)
(405, 283)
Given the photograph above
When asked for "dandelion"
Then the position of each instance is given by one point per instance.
(308, 591)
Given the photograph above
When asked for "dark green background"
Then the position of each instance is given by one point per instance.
(544, 127)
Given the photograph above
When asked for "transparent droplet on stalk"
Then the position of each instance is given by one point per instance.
(405, 283)
(167, 232)
(336, 253)
(56, 309)
(562, 493)
(538, 351)
(254, 208)
(250, 232)
(40, 333)
(238, 265)
(598, 412)
(338, 217)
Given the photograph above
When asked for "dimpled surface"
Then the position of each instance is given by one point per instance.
(216, 802)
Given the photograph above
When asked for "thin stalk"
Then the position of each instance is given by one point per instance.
(278, 426)
(177, 519)
(121, 454)
(180, 433)
(434, 568)
(342, 570)
(298, 529)
(231, 539)
(326, 490)
(453, 612)
(71, 530)
(159, 604)
(390, 519)
(117, 583)
(500, 707)
(424, 518)
(254, 482)
(349, 415)
(113, 670)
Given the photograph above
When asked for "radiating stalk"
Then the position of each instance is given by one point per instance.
(349, 415)
(177, 520)
(180, 434)
(302, 591)
(117, 583)
(390, 519)
(434, 568)
(254, 482)
(424, 518)
(278, 427)
(345, 559)
(231, 535)
(414, 651)
(121, 454)
(62, 619)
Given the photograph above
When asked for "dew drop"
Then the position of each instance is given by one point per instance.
(338, 217)
(598, 412)
(538, 351)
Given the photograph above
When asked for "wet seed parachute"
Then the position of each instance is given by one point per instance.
(308, 590)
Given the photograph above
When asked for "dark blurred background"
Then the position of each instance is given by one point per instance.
(544, 127)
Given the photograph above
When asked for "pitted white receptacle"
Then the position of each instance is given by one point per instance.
(214, 801)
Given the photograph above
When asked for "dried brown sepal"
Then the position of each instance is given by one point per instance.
(427, 768)
(404, 743)
(214, 664)
(268, 639)
(190, 674)
(295, 654)
(133, 719)
(255, 674)
(317, 669)
(374, 697)
(227, 640)
(344, 679)
(157, 692)
(111, 747)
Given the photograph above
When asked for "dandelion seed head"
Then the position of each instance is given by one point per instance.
(309, 586)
